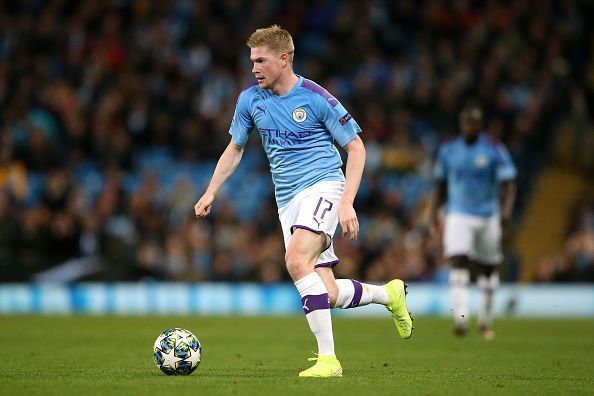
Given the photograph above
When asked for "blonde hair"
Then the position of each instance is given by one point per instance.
(277, 39)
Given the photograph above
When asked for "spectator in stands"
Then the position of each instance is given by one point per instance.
(108, 93)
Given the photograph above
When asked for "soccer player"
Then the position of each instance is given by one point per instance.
(476, 179)
(298, 122)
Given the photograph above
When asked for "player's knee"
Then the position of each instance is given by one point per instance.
(488, 277)
(460, 262)
(486, 269)
(296, 265)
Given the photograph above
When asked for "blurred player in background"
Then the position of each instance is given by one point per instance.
(298, 122)
(476, 180)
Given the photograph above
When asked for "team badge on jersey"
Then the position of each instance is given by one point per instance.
(299, 114)
(480, 161)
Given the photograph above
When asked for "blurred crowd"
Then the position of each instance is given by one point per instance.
(113, 114)
(576, 262)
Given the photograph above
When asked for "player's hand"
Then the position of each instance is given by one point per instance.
(348, 220)
(203, 206)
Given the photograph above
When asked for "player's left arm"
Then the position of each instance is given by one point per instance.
(507, 197)
(354, 172)
(439, 196)
(345, 131)
(506, 175)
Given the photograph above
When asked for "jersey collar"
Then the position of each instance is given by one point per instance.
(295, 87)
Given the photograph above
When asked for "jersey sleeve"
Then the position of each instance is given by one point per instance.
(242, 122)
(506, 169)
(439, 167)
(337, 120)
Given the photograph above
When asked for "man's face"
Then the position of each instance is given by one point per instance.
(267, 67)
(470, 123)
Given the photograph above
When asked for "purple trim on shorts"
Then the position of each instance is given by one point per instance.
(313, 87)
(330, 264)
(329, 244)
(357, 295)
(311, 303)
(315, 232)
(305, 228)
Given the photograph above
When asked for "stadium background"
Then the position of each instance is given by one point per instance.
(113, 115)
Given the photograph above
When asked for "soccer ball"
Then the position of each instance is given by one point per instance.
(177, 352)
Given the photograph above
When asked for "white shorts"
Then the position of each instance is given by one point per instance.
(316, 209)
(479, 238)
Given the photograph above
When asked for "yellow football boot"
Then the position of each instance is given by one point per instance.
(396, 290)
(325, 367)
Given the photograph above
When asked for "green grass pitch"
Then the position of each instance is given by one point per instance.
(77, 355)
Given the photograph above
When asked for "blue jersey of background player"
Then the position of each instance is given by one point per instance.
(473, 168)
(298, 122)
(476, 180)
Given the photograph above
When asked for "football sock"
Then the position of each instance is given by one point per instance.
(316, 306)
(487, 286)
(459, 279)
(352, 293)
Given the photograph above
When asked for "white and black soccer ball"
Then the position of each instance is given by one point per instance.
(177, 352)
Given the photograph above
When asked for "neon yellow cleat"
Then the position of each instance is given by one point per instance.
(325, 367)
(396, 290)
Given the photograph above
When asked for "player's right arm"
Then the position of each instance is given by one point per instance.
(227, 164)
(241, 126)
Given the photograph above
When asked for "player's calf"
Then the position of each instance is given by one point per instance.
(352, 294)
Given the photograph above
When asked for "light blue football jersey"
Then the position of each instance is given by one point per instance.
(298, 131)
(473, 174)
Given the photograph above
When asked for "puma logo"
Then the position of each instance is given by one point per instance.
(305, 304)
(319, 222)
